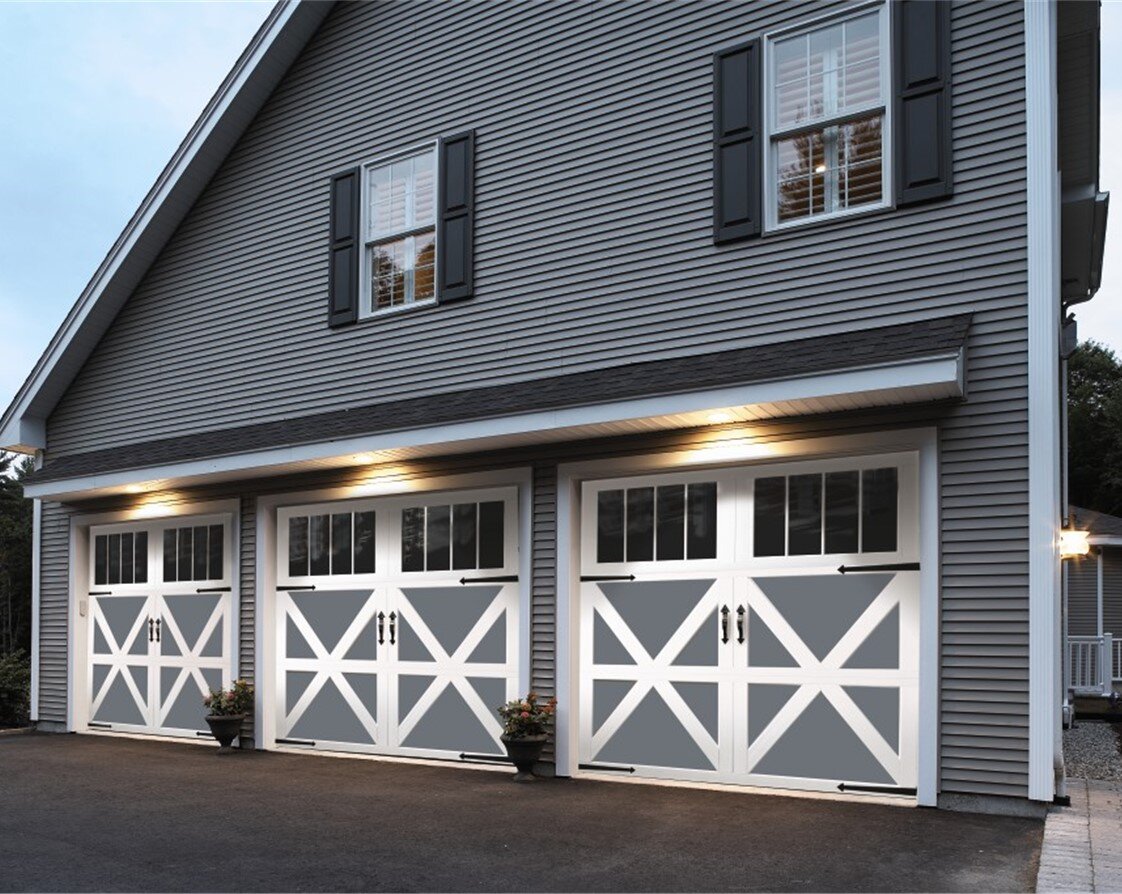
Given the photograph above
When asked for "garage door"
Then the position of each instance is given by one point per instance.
(160, 624)
(756, 626)
(397, 623)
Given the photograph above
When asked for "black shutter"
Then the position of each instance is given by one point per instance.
(454, 224)
(922, 75)
(737, 169)
(342, 271)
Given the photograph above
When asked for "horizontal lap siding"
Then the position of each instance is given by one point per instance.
(54, 609)
(594, 247)
(1083, 595)
(1112, 590)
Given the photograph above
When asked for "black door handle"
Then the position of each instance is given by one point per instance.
(381, 628)
(157, 629)
(151, 629)
(724, 623)
(393, 627)
(740, 623)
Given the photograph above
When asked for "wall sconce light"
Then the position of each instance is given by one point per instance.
(1073, 543)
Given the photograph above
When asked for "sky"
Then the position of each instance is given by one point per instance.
(95, 97)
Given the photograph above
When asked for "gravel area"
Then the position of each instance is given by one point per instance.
(1091, 751)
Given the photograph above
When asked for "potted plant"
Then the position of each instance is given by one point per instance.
(525, 722)
(228, 708)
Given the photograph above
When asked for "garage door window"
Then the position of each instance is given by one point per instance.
(842, 512)
(331, 543)
(121, 558)
(664, 523)
(194, 553)
(462, 536)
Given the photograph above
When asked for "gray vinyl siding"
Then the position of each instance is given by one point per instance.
(54, 611)
(1112, 591)
(1082, 596)
(594, 247)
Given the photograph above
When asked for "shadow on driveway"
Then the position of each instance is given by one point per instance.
(86, 813)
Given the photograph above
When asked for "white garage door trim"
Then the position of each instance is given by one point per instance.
(384, 485)
(723, 453)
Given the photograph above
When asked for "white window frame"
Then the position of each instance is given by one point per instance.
(772, 135)
(366, 298)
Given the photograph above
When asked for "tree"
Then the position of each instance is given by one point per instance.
(1094, 406)
(15, 555)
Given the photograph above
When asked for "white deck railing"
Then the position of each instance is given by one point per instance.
(1116, 664)
(1093, 662)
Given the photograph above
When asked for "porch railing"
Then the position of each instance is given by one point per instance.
(1093, 662)
(1116, 664)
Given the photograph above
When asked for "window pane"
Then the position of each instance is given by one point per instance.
(860, 171)
(878, 510)
(829, 170)
(437, 538)
(413, 539)
(217, 545)
(859, 81)
(769, 514)
(464, 539)
(424, 273)
(101, 559)
(202, 554)
(319, 545)
(364, 543)
(387, 269)
(298, 546)
(672, 522)
(492, 526)
(609, 526)
(126, 559)
(185, 547)
(140, 558)
(804, 515)
(424, 190)
(171, 550)
(822, 66)
(640, 524)
(701, 533)
(341, 543)
(789, 77)
(841, 512)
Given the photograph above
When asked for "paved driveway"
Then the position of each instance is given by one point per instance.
(93, 813)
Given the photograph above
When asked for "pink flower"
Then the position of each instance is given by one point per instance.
(525, 713)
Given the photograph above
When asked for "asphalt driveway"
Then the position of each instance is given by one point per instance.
(86, 813)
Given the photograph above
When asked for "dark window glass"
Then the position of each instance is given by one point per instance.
(171, 551)
(464, 535)
(127, 560)
(140, 558)
(492, 516)
(437, 538)
(101, 559)
(804, 515)
(768, 516)
(114, 558)
(216, 544)
(319, 544)
(341, 543)
(701, 532)
(186, 539)
(609, 526)
(298, 546)
(201, 554)
(364, 543)
(841, 512)
(672, 522)
(413, 539)
(640, 524)
(878, 511)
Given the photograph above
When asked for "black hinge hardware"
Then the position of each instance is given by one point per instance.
(724, 623)
(489, 758)
(213, 590)
(393, 628)
(594, 578)
(199, 732)
(605, 767)
(97, 724)
(306, 742)
(740, 612)
(876, 789)
(298, 587)
(898, 566)
(500, 579)
(381, 628)
(101, 593)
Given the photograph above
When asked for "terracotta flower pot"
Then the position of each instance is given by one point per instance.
(524, 752)
(225, 728)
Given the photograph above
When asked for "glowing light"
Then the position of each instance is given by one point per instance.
(820, 169)
(1073, 543)
(134, 489)
(731, 450)
(720, 417)
(365, 459)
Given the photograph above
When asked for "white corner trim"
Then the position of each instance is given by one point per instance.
(930, 582)
(36, 571)
(1045, 510)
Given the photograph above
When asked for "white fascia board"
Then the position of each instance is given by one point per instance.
(943, 373)
(1105, 540)
(21, 426)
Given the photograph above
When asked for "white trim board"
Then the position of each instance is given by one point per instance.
(886, 385)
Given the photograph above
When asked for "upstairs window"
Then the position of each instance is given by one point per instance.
(399, 232)
(827, 104)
